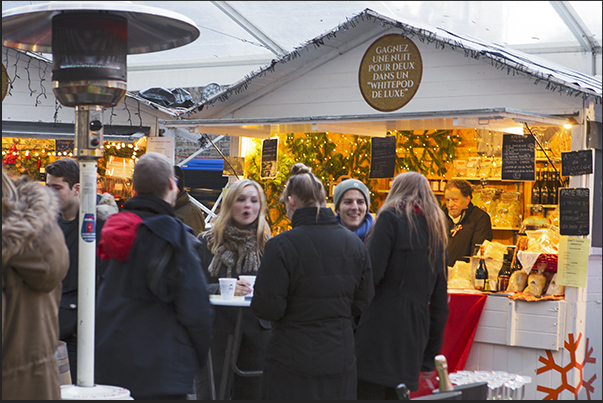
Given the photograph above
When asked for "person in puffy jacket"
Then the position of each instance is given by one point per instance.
(400, 333)
(153, 316)
(34, 261)
(312, 280)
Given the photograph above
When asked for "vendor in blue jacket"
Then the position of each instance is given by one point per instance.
(468, 225)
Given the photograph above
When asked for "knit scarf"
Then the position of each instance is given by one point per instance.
(239, 250)
(416, 207)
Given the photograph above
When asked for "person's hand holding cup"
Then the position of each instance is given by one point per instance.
(246, 283)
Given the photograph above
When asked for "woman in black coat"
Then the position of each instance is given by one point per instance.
(401, 332)
(311, 281)
(234, 247)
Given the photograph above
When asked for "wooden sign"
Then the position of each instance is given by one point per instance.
(518, 158)
(383, 157)
(577, 163)
(390, 72)
(574, 211)
(269, 158)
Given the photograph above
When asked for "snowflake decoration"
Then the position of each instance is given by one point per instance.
(550, 365)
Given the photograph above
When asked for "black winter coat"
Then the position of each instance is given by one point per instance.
(153, 316)
(311, 281)
(476, 228)
(254, 339)
(401, 332)
(105, 207)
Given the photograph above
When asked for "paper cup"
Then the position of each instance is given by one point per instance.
(250, 280)
(227, 287)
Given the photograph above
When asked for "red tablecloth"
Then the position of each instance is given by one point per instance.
(463, 317)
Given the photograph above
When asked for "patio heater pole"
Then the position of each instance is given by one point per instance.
(89, 42)
(88, 128)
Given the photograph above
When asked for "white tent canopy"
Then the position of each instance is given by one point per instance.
(237, 37)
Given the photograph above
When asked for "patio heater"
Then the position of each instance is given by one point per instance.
(89, 42)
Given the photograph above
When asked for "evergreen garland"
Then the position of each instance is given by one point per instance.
(428, 152)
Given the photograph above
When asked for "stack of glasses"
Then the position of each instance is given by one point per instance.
(501, 385)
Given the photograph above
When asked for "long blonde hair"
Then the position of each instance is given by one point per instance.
(410, 190)
(215, 236)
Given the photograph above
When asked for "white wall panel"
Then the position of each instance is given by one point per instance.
(450, 81)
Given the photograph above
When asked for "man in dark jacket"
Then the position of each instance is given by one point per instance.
(63, 176)
(468, 225)
(153, 316)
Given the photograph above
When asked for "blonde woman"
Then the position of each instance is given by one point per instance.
(232, 247)
(401, 332)
(311, 281)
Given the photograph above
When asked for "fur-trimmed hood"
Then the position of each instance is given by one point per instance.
(25, 218)
(105, 206)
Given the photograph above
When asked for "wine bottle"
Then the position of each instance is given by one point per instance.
(481, 274)
(505, 273)
(402, 392)
(554, 186)
(536, 189)
(545, 191)
(442, 367)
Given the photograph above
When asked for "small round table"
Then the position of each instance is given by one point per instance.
(233, 345)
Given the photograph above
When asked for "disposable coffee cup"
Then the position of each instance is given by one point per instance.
(250, 280)
(227, 287)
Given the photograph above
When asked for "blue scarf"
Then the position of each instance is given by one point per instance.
(364, 228)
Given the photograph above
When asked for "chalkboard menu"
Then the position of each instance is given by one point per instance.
(518, 158)
(574, 208)
(577, 163)
(269, 158)
(383, 157)
(64, 146)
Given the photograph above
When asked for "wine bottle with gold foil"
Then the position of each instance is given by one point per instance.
(441, 365)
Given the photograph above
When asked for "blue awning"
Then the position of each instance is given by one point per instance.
(205, 164)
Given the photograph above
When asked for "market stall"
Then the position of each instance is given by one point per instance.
(375, 78)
